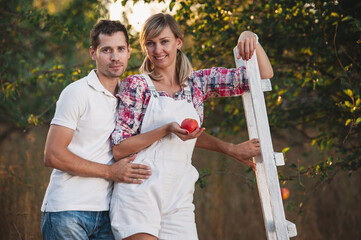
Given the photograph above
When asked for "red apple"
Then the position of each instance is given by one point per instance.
(285, 193)
(189, 124)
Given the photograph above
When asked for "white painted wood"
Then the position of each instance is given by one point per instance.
(266, 172)
(291, 228)
(279, 159)
(266, 85)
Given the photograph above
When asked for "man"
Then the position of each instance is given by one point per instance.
(76, 202)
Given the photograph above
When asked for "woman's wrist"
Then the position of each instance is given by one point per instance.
(169, 128)
(257, 42)
(248, 34)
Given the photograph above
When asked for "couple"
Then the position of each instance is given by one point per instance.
(152, 171)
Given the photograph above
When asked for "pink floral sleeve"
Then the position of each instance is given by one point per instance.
(133, 101)
(216, 82)
(220, 82)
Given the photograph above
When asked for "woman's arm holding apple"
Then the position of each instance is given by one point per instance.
(141, 141)
(242, 152)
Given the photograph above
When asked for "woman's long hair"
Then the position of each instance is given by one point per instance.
(151, 29)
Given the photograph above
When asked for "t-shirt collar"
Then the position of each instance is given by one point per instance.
(95, 83)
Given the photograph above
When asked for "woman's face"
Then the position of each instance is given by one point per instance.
(162, 50)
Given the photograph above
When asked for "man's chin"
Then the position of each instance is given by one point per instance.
(115, 74)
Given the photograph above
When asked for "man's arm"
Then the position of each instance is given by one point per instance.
(242, 152)
(57, 155)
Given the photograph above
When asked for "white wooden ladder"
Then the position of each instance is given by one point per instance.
(277, 227)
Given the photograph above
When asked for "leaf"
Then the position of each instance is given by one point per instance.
(334, 14)
(285, 150)
(358, 120)
(358, 102)
(348, 92)
(346, 18)
(348, 104)
(171, 5)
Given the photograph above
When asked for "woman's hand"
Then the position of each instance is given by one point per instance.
(182, 133)
(247, 42)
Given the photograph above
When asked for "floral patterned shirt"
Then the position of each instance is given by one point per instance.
(135, 95)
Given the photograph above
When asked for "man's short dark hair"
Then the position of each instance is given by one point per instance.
(107, 27)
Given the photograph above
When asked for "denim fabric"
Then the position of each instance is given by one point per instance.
(76, 225)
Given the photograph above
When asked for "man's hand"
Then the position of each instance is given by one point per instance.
(243, 152)
(125, 171)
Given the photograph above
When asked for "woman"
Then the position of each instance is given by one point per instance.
(151, 108)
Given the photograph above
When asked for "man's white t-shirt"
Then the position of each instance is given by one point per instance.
(90, 110)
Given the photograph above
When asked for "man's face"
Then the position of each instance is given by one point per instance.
(111, 55)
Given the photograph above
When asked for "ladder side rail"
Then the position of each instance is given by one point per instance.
(260, 171)
(267, 154)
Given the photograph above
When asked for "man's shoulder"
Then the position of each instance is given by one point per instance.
(79, 86)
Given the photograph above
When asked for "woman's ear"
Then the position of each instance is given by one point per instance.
(179, 43)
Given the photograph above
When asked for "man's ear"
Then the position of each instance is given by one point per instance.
(129, 51)
(92, 52)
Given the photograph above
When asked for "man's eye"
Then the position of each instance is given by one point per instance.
(106, 50)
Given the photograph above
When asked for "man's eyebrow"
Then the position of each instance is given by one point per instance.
(124, 45)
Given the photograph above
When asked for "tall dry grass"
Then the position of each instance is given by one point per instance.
(228, 208)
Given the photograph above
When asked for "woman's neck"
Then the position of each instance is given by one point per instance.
(170, 77)
(169, 83)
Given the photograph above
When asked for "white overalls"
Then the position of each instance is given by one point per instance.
(163, 204)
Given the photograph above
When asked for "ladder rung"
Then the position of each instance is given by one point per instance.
(291, 229)
(279, 159)
(266, 85)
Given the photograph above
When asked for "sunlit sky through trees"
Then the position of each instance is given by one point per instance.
(137, 13)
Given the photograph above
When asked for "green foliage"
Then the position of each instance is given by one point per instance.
(314, 47)
(42, 51)
(202, 180)
(44, 48)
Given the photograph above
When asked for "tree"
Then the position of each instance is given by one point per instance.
(315, 49)
(40, 55)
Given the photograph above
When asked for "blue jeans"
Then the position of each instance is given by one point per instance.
(76, 225)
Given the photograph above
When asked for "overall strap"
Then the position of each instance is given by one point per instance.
(152, 89)
(188, 93)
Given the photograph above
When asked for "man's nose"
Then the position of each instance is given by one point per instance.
(115, 56)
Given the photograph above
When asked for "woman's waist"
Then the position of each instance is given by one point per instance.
(168, 151)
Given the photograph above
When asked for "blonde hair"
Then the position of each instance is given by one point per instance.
(151, 29)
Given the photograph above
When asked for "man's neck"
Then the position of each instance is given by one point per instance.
(109, 83)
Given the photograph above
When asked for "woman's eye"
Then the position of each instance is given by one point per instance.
(149, 44)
